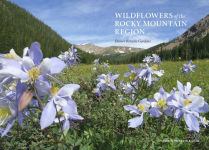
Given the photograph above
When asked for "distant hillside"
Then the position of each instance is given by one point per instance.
(90, 48)
(111, 50)
(195, 32)
(192, 44)
(18, 29)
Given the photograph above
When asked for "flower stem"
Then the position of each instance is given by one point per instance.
(38, 99)
(59, 122)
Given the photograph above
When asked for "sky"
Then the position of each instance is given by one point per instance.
(92, 21)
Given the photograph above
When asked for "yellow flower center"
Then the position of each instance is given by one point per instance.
(10, 56)
(161, 103)
(141, 107)
(107, 80)
(33, 73)
(4, 112)
(190, 66)
(155, 67)
(195, 92)
(205, 120)
(12, 87)
(61, 113)
(186, 102)
(67, 53)
(126, 87)
(132, 76)
(54, 90)
(94, 90)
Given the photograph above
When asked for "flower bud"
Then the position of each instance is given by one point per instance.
(25, 100)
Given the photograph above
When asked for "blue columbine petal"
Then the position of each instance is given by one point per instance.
(35, 53)
(66, 125)
(43, 86)
(203, 109)
(75, 117)
(131, 67)
(127, 74)
(178, 113)
(180, 87)
(149, 79)
(8, 127)
(155, 112)
(57, 65)
(68, 90)
(135, 122)
(130, 107)
(14, 71)
(48, 115)
(192, 122)
(114, 77)
(71, 107)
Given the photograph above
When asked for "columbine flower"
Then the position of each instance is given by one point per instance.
(203, 121)
(188, 109)
(31, 70)
(133, 74)
(186, 91)
(7, 111)
(127, 87)
(159, 104)
(152, 59)
(140, 109)
(94, 69)
(106, 81)
(16, 100)
(97, 91)
(156, 59)
(188, 105)
(147, 59)
(70, 57)
(188, 67)
(147, 73)
(8, 114)
(106, 65)
(96, 62)
(60, 103)
(11, 55)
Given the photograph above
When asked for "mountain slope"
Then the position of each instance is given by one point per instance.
(111, 50)
(18, 29)
(90, 48)
(195, 32)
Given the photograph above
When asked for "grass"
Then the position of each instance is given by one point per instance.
(106, 123)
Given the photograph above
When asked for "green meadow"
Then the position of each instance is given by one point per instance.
(105, 124)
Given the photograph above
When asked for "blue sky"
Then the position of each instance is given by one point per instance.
(92, 21)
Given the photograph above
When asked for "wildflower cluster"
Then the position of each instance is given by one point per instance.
(98, 65)
(25, 82)
(27, 89)
(184, 104)
(188, 67)
(70, 57)
(104, 82)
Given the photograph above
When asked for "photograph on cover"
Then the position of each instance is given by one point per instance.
(98, 74)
